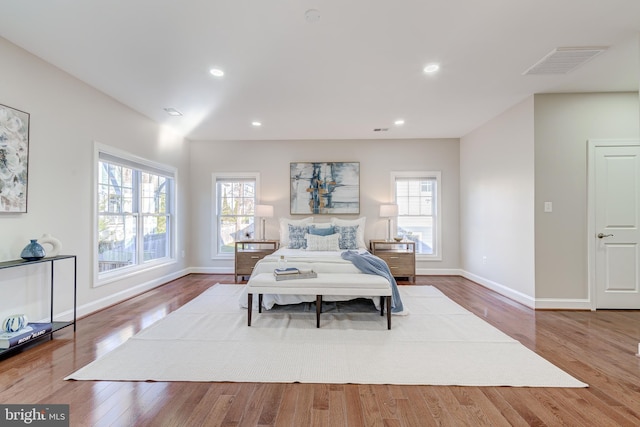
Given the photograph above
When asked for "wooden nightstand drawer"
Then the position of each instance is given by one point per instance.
(245, 261)
(399, 256)
(248, 253)
(400, 264)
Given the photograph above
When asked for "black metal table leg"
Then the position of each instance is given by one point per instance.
(388, 312)
(318, 309)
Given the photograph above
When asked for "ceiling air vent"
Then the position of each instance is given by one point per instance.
(564, 59)
(381, 129)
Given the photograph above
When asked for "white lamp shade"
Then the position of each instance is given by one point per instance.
(264, 211)
(387, 211)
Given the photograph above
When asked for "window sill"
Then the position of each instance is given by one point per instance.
(424, 257)
(124, 273)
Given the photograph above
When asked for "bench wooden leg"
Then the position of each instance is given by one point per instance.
(318, 309)
(382, 299)
(259, 303)
(388, 312)
(249, 308)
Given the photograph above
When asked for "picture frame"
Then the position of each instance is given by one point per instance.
(324, 188)
(14, 159)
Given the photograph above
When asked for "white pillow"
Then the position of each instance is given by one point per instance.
(284, 228)
(359, 222)
(323, 243)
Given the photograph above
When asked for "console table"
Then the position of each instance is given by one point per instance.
(55, 325)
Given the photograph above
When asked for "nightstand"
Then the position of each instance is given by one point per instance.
(249, 252)
(399, 256)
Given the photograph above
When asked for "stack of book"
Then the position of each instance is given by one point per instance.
(293, 273)
(29, 333)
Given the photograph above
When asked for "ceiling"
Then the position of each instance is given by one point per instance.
(359, 67)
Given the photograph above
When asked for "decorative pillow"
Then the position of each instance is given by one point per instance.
(297, 236)
(348, 236)
(284, 228)
(321, 231)
(323, 243)
(321, 224)
(360, 222)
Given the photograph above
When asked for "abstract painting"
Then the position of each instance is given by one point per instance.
(325, 188)
(14, 159)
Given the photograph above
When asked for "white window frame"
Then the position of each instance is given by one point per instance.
(127, 159)
(437, 235)
(215, 217)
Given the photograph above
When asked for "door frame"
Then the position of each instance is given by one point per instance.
(592, 144)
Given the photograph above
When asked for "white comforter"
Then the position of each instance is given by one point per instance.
(318, 261)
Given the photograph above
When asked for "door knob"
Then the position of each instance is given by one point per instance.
(600, 235)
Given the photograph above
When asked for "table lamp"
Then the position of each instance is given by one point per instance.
(263, 212)
(388, 211)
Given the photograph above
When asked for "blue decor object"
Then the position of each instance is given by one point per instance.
(33, 251)
(14, 323)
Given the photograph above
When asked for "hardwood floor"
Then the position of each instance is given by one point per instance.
(596, 347)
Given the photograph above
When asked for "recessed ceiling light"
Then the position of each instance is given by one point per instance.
(172, 112)
(399, 122)
(256, 124)
(431, 68)
(217, 72)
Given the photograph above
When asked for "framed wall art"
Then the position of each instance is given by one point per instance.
(14, 159)
(325, 188)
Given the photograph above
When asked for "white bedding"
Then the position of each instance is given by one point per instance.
(318, 261)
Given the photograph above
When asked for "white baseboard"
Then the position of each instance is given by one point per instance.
(535, 303)
(501, 289)
(562, 304)
(110, 300)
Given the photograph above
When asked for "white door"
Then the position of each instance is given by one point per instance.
(616, 204)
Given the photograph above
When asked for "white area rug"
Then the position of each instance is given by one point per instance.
(439, 343)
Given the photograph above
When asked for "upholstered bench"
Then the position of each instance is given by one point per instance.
(356, 285)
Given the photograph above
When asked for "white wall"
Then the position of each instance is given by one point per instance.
(67, 116)
(563, 124)
(271, 159)
(496, 203)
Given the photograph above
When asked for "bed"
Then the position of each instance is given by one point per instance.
(324, 248)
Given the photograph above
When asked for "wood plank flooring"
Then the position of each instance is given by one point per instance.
(596, 347)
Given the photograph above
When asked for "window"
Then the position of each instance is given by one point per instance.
(235, 199)
(417, 197)
(134, 214)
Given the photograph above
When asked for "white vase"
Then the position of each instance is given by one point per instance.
(48, 240)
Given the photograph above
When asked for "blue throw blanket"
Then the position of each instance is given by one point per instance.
(371, 264)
